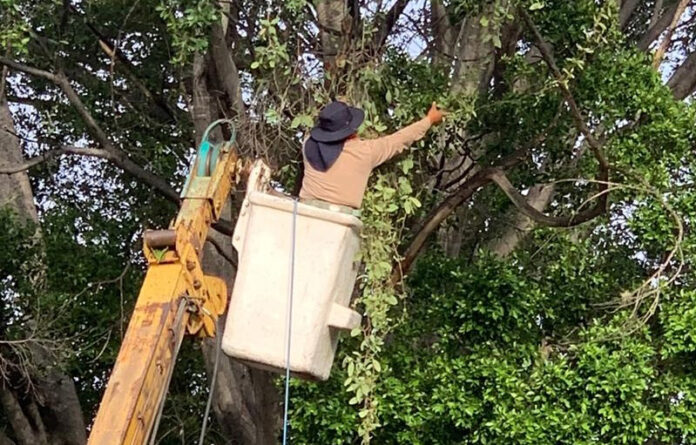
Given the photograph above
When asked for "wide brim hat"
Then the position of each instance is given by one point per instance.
(337, 121)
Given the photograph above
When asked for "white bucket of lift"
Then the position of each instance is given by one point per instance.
(326, 245)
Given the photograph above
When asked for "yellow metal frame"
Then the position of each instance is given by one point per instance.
(175, 298)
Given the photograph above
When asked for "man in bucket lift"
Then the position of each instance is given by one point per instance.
(338, 163)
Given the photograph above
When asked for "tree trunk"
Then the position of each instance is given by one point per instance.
(473, 66)
(24, 431)
(15, 190)
(443, 34)
(331, 15)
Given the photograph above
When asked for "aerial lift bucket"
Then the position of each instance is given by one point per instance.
(325, 269)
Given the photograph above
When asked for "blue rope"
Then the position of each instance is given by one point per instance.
(211, 391)
(289, 323)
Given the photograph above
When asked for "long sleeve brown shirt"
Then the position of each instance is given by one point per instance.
(345, 181)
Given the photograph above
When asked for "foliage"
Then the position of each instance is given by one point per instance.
(188, 23)
(12, 29)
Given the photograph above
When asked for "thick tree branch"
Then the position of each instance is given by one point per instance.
(595, 145)
(466, 190)
(223, 226)
(479, 179)
(331, 15)
(443, 32)
(463, 192)
(657, 27)
(667, 39)
(519, 225)
(117, 156)
(683, 81)
(387, 25)
(34, 416)
(354, 11)
(3, 83)
(657, 9)
(62, 81)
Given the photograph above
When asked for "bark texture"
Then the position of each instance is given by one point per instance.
(15, 189)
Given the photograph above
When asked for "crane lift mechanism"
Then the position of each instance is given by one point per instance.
(176, 298)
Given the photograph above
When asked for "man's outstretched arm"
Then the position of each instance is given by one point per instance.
(387, 147)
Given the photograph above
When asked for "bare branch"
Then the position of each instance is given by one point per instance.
(95, 152)
(34, 102)
(126, 66)
(667, 40)
(27, 69)
(62, 81)
(115, 155)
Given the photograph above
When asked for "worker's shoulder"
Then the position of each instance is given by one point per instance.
(358, 144)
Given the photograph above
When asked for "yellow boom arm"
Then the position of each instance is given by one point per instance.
(175, 298)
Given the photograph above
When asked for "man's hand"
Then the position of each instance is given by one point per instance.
(435, 114)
